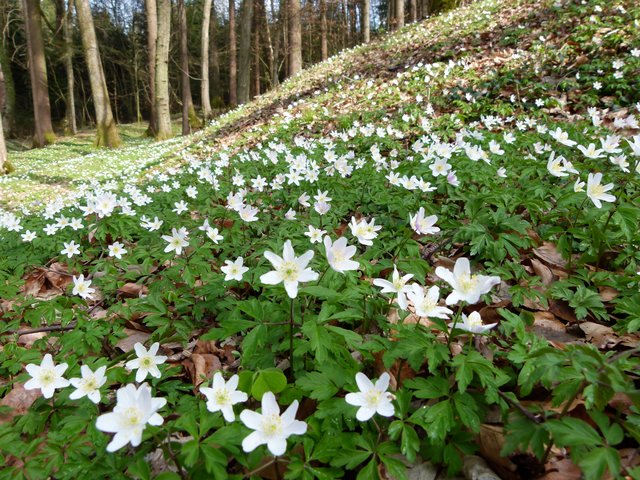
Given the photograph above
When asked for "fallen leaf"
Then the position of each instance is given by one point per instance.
(549, 254)
(19, 400)
(132, 337)
(544, 272)
(133, 290)
(201, 367)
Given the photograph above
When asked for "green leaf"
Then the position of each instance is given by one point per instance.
(439, 420)
(269, 380)
(432, 387)
(598, 460)
(369, 472)
(319, 386)
(573, 432)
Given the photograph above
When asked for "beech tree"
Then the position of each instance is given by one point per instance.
(189, 116)
(3, 152)
(152, 38)
(295, 38)
(233, 62)
(44, 134)
(107, 131)
(244, 54)
(68, 66)
(204, 72)
(163, 112)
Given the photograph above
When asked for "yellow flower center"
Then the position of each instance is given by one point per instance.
(596, 190)
(289, 271)
(271, 425)
(468, 283)
(132, 416)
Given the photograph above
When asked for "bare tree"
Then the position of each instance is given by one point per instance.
(244, 52)
(68, 66)
(324, 48)
(233, 61)
(4, 162)
(107, 132)
(214, 58)
(399, 15)
(38, 72)
(188, 111)
(413, 10)
(204, 46)
(163, 112)
(152, 38)
(295, 38)
(366, 21)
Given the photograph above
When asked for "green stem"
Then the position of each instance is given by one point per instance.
(455, 322)
(291, 325)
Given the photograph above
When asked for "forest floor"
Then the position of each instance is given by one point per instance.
(502, 135)
(58, 171)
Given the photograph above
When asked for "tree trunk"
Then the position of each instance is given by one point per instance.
(7, 92)
(107, 132)
(295, 38)
(255, 83)
(233, 61)
(5, 166)
(324, 48)
(351, 5)
(214, 58)
(366, 21)
(413, 10)
(244, 52)
(38, 72)
(270, 55)
(68, 65)
(204, 44)
(188, 111)
(399, 16)
(161, 86)
(152, 38)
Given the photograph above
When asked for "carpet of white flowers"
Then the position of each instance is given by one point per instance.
(431, 255)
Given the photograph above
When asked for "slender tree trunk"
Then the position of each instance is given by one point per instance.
(255, 83)
(399, 16)
(38, 71)
(107, 132)
(188, 111)
(324, 48)
(214, 58)
(244, 52)
(204, 85)
(267, 31)
(275, 73)
(351, 5)
(413, 10)
(68, 65)
(152, 39)
(233, 61)
(366, 21)
(7, 91)
(5, 166)
(162, 105)
(295, 38)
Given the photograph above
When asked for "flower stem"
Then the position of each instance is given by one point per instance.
(277, 468)
(455, 322)
(291, 325)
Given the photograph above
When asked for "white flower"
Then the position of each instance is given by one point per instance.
(177, 240)
(82, 287)
(221, 396)
(426, 305)
(28, 236)
(248, 213)
(562, 137)
(47, 376)
(289, 269)
(555, 166)
(466, 287)
(591, 151)
(180, 207)
(116, 249)
(502, 172)
(70, 249)
(423, 225)
(290, 215)
(147, 361)
(371, 398)
(213, 234)
(234, 270)
(321, 207)
(304, 200)
(339, 254)
(578, 186)
(363, 231)
(270, 427)
(597, 192)
(398, 286)
(90, 383)
(135, 408)
(315, 234)
(472, 324)
(440, 167)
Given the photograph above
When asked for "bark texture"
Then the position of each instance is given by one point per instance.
(163, 112)
(233, 61)
(189, 116)
(295, 38)
(324, 48)
(399, 16)
(4, 163)
(152, 38)
(68, 66)
(204, 45)
(366, 21)
(38, 73)
(107, 132)
(244, 52)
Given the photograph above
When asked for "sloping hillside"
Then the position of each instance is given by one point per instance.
(425, 248)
